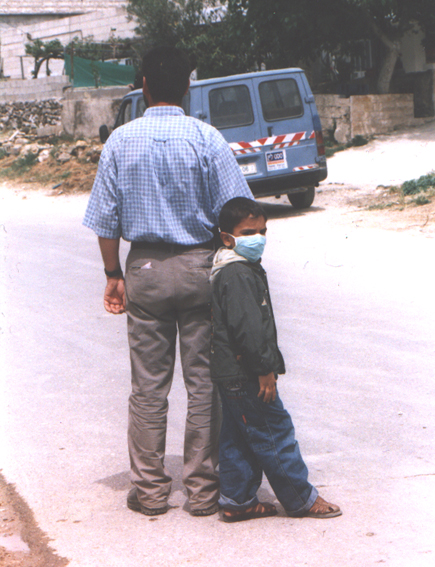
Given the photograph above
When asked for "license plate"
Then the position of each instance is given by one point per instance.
(248, 168)
(276, 160)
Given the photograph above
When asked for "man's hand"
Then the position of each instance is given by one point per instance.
(114, 296)
(267, 387)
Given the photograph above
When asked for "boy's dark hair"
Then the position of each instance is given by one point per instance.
(167, 71)
(237, 209)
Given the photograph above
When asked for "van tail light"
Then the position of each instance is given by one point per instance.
(320, 143)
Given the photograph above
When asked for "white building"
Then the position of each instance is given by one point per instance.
(51, 19)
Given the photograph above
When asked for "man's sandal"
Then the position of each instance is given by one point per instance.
(260, 510)
(320, 510)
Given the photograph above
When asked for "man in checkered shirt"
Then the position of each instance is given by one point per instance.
(161, 183)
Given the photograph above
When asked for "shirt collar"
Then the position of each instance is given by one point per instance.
(164, 111)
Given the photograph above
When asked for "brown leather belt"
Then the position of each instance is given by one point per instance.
(171, 247)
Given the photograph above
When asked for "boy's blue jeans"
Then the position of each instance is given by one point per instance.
(256, 437)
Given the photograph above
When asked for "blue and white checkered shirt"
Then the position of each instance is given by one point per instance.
(163, 177)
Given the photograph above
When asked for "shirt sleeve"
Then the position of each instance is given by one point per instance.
(226, 178)
(102, 213)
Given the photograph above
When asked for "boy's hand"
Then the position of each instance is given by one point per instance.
(267, 387)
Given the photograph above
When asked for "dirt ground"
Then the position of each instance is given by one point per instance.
(22, 543)
(381, 207)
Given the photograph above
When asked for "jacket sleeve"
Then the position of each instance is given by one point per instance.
(244, 316)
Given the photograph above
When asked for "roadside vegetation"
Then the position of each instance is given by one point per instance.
(416, 192)
(67, 165)
(331, 146)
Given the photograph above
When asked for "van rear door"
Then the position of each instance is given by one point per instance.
(230, 107)
(286, 124)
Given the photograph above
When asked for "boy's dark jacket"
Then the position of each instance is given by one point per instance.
(244, 340)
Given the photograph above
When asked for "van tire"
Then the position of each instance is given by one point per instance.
(302, 200)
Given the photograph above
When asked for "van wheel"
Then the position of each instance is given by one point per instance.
(302, 200)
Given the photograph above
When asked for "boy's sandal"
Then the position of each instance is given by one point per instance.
(260, 510)
(320, 510)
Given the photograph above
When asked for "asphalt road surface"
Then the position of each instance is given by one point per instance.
(355, 314)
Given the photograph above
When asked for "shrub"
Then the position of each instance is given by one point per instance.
(415, 186)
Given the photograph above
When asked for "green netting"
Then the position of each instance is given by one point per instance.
(97, 73)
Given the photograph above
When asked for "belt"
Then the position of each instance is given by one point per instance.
(171, 247)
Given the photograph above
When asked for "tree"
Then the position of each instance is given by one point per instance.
(198, 26)
(289, 31)
(389, 21)
(87, 48)
(43, 51)
(246, 35)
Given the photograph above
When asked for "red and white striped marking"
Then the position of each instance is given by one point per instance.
(304, 167)
(277, 143)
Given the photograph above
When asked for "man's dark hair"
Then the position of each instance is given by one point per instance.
(167, 71)
(237, 209)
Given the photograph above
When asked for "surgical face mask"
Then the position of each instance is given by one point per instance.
(250, 247)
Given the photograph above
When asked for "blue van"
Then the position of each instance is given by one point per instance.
(270, 121)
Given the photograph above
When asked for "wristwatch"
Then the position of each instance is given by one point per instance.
(115, 273)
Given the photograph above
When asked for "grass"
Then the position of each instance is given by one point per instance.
(415, 192)
(20, 166)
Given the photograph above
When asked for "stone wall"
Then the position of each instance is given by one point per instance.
(86, 109)
(35, 89)
(334, 112)
(365, 115)
(379, 114)
(30, 117)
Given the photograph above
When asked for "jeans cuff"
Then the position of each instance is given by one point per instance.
(226, 502)
(306, 506)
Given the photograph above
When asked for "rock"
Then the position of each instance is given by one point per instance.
(30, 149)
(79, 148)
(63, 157)
(44, 155)
(94, 155)
(342, 133)
(49, 130)
(15, 150)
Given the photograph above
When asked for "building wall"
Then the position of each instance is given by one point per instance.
(100, 24)
(8, 7)
(412, 52)
(38, 89)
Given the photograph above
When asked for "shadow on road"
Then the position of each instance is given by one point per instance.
(174, 464)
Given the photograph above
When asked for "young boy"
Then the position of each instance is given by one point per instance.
(257, 432)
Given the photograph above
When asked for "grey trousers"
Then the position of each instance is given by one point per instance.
(166, 290)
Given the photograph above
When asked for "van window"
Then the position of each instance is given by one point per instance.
(140, 108)
(185, 103)
(230, 107)
(280, 99)
(125, 114)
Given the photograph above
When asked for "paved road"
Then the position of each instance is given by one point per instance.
(355, 313)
